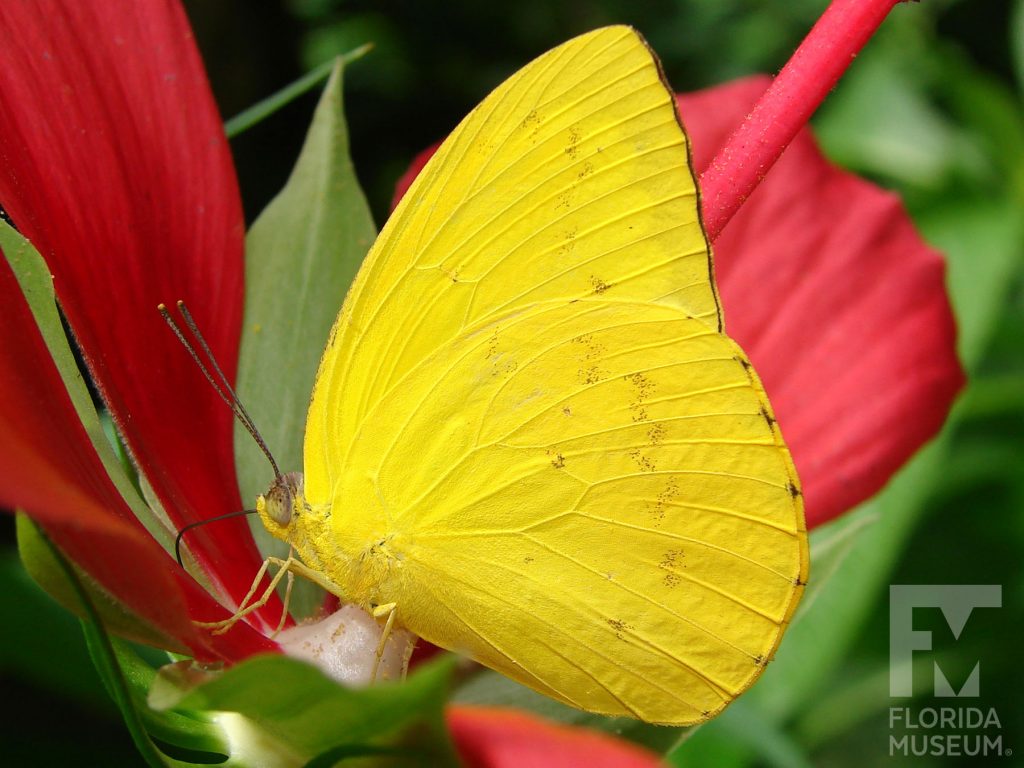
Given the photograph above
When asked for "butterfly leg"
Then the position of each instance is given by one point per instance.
(389, 610)
(289, 567)
(407, 657)
(248, 605)
(287, 602)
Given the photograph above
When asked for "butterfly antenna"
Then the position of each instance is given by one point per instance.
(190, 526)
(219, 382)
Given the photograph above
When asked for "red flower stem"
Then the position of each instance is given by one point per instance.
(786, 106)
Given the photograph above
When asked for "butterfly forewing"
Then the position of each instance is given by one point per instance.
(570, 180)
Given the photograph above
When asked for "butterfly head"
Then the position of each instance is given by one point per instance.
(282, 504)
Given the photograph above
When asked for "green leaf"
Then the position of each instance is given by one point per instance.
(999, 396)
(854, 700)
(36, 284)
(294, 705)
(127, 677)
(995, 120)
(302, 253)
(260, 111)
(205, 734)
(942, 123)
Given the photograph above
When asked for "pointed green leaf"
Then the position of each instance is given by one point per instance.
(302, 253)
(36, 284)
(164, 738)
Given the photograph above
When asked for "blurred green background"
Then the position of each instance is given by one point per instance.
(932, 108)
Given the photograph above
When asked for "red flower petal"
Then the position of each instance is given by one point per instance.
(113, 162)
(841, 306)
(498, 738)
(48, 468)
(837, 300)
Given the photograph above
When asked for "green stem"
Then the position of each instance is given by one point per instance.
(268, 106)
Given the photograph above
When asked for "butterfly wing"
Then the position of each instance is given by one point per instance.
(529, 408)
(571, 179)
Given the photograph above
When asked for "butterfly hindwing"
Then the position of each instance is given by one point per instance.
(593, 499)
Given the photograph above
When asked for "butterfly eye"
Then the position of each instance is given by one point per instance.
(279, 503)
(284, 498)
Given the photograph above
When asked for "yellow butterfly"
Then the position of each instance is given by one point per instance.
(529, 435)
